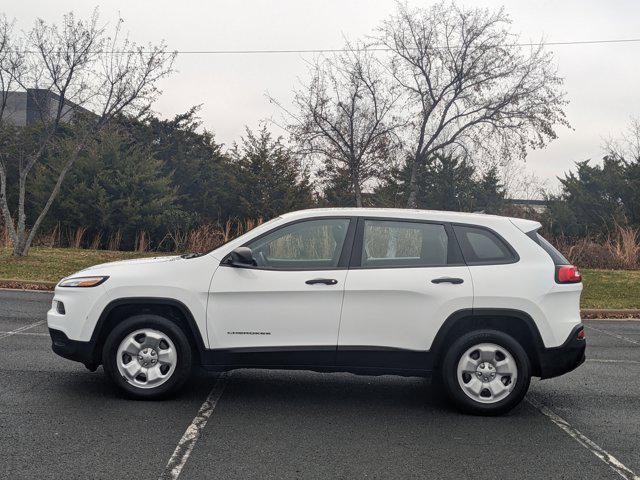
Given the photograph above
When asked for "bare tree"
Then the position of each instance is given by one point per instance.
(520, 183)
(627, 147)
(468, 85)
(80, 79)
(344, 114)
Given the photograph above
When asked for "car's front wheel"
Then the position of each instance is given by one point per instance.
(486, 372)
(147, 356)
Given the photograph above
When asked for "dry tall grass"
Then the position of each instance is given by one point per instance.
(96, 242)
(142, 242)
(200, 239)
(114, 240)
(209, 236)
(626, 247)
(52, 238)
(77, 237)
(5, 239)
(619, 250)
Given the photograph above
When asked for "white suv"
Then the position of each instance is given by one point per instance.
(481, 301)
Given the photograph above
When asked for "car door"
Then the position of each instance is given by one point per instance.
(406, 278)
(286, 309)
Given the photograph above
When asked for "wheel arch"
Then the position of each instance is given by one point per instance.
(123, 308)
(516, 323)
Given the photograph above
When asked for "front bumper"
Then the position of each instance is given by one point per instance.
(568, 356)
(78, 351)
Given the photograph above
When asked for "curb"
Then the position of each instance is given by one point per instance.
(26, 290)
(616, 314)
(30, 285)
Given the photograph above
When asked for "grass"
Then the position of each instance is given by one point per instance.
(52, 264)
(615, 289)
(611, 288)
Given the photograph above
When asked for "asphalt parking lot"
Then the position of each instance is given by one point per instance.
(58, 420)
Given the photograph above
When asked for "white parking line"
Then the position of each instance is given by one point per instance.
(611, 334)
(192, 433)
(21, 329)
(613, 463)
(35, 334)
(606, 360)
(598, 320)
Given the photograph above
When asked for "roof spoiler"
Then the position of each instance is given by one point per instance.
(526, 225)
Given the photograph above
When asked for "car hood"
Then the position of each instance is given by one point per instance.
(131, 263)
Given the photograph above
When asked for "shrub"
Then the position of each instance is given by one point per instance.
(618, 250)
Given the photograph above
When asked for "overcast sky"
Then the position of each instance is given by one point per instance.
(602, 81)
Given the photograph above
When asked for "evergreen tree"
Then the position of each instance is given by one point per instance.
(338, 188)
(159, 176)
(271, 181)
(594, 198)
(489, 192)
(445, 182)
(118, 185)
(201, 172)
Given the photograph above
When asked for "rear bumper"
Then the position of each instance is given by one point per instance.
(83, 352)
(568, 356)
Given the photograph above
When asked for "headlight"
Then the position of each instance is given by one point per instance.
(82, 281)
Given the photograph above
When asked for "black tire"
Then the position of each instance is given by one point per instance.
(451, 384)
(181, 371)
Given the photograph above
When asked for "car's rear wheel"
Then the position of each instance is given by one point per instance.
(147, 356)
(486, 372)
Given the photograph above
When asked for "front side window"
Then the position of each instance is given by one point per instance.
(403, 244)
(311, 244)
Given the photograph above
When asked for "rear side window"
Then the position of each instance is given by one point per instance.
(483, 247)
(556, 256)
(391, 244)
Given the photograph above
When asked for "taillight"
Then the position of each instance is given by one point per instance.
(568, 274)
(581, 334)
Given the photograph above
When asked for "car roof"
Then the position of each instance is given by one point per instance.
(414, 214)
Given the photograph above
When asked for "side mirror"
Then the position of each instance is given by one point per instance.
(241, 257)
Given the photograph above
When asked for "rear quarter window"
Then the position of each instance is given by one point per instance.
(556, 256)
(481, 246)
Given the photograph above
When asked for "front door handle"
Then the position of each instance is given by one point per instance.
(326, 281)
(455, 281)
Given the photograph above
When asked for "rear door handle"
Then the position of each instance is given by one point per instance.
(326, 281)
(455, 281)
